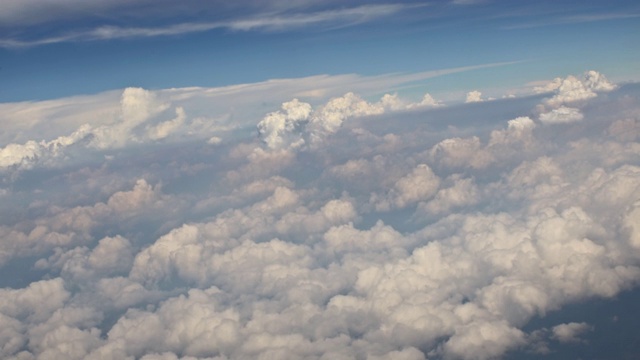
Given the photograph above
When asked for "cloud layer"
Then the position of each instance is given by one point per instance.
(346, 228)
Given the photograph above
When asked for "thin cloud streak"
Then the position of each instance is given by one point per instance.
(574, 19)
(271, 22)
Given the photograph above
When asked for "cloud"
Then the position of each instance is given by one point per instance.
(53, 132)
(571, 89)
(561, 115)
(474, 96)
(25, 155)
(392, 237)
(463, 192)
(298, 124)
(137, 106)
(421, 184)
(574, 19)
(330, 117)
(276, 125)
(429, 101)
(570, 332)
(163, 129)
(271, 21)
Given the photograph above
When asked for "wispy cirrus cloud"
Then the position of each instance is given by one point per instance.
(572, 19)
(266, 22)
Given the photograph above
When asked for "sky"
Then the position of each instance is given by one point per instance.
(319, 180)
(93, 46)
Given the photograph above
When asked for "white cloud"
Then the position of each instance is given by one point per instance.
(163, 129)
(571, 89)
(484, 341)
(547, 86)
(463, 192)
(53, 132)
(429, 101)
(328, 118)
(190, 325)
(597, 81)
(254, 251)
(419, 185)
(26, 155)
(474, 96)
(277, 125)
(297, 123)
(570, 332)
(35, 303)
(625, 129)
(138, 106)
(561, 115)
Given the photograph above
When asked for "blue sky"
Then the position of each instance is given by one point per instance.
(79, 47)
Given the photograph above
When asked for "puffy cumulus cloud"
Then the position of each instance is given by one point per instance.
(571, 89)
(347, 240)
(462, 192)
(457, 153)
(36, 302)
(27, 154)
(59, 132)
(518, 131)
(429, 101)
(192, 325)
(561, 115)
(112, 256)
(486, 340)
(165, 128)
(64, 228)
(548, 86)
(138, 105)
(297, 123)
(474, 96)
(419, 185)
(328, 118)
(570, 332)
(70, 333)
(597, 81)
(277, 125)
(204, 253)
(367, 175)
(625, 130)
(401, 239)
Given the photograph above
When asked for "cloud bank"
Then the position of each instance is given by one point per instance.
(346, 228)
